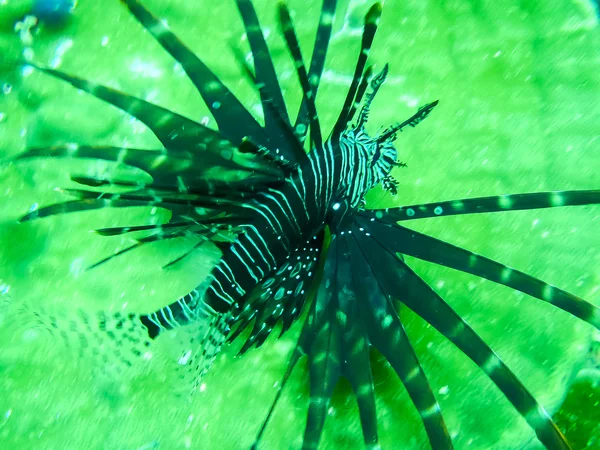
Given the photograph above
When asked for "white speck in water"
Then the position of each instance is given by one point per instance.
(185, 358)
(444, 390)
(498, 53)
(63, 47)
(336, 206)
(28, 56)
(409, 100)
(104, 41)
(2, 117)
(4, 288)
(6, 88)
(145, 68)
(76, 266)
(8, 413)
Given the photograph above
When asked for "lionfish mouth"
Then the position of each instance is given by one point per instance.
(219, 185)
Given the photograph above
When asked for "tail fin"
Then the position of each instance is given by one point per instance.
(118, 343)
(113, 341)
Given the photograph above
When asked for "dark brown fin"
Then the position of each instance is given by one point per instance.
(189, 252)
(264, 71)
(349, 312)
(182, 169)
(317, 64)
(285, 145)
(375, 84)
(499, 203)
(410, 242)
(371, 23)
(289, 34)
(234, 121)
(116, 231)
(182, 205)
(218, 221)
(160, 236)
(177, 133)
(409, 288)
(387, 334)
(310, 343)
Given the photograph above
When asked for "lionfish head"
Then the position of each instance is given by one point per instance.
(379, 151)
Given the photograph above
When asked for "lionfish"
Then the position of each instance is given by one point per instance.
(295, 233)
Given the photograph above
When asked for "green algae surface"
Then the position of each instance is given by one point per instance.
(518, 84)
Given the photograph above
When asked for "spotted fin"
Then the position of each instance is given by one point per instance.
(499, 203)
(194, 348)
(410, 242)
(351, 312)
(400, 281)
(387, 334)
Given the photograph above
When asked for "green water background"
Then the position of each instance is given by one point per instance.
(518, 83)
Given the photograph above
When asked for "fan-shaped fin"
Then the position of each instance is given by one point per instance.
(409, 242)
(371, 23)
(499, 203)
(400, 280)
(354, 302)
(387, 334)
(234, 121)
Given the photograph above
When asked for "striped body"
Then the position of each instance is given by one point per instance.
(278, 213)
(282, 220)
